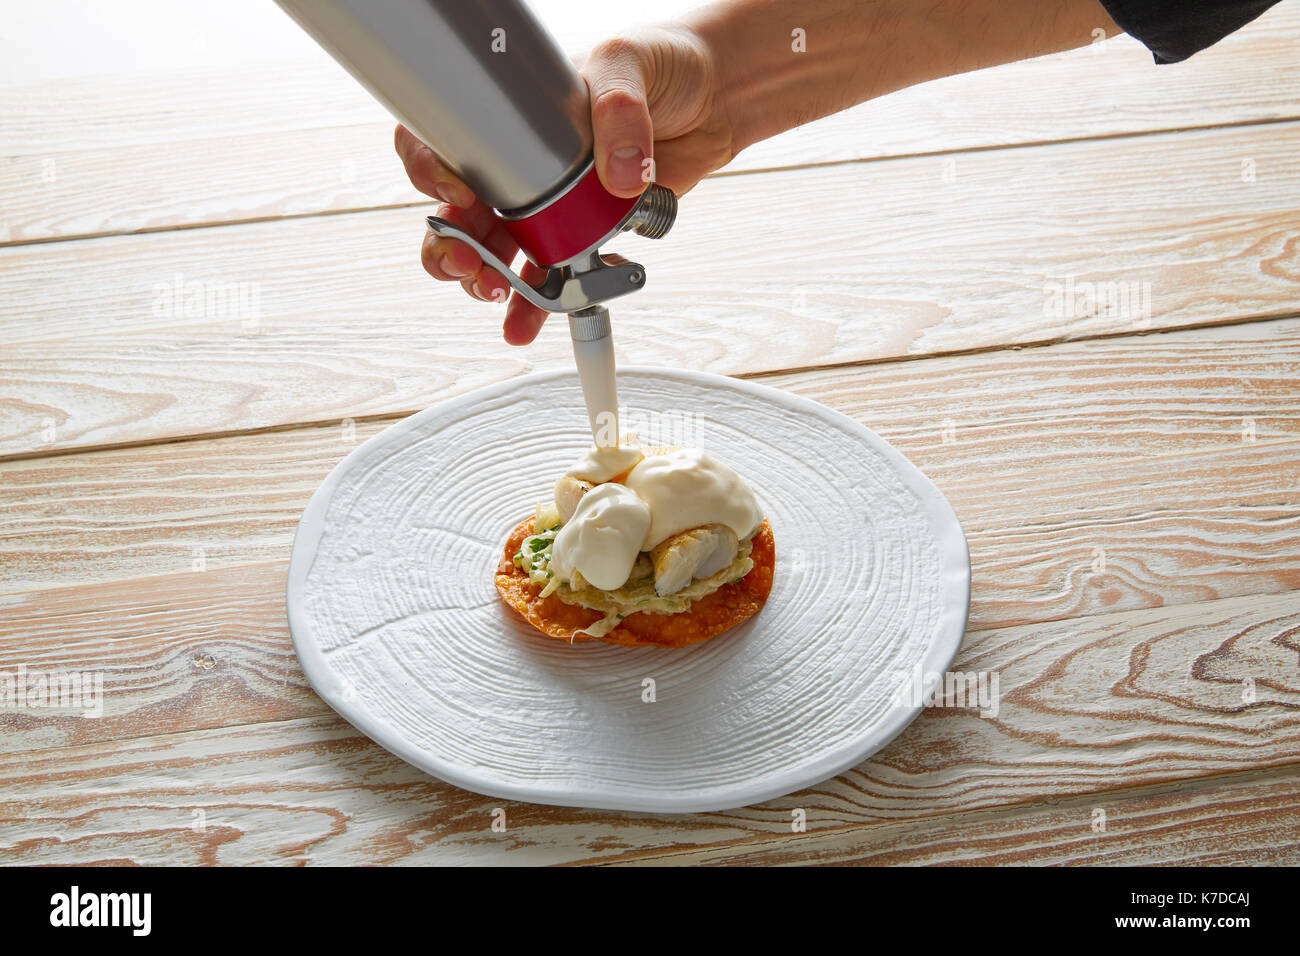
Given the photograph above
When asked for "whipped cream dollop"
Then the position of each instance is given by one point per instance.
(603, 538)
(689, 488)
(659, 497)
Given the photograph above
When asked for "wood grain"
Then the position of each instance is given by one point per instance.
(1053, 407)
(163, 509)
(347, 324)
(184, 651)
(1086, 707)
(190, 136)
(1244, 819)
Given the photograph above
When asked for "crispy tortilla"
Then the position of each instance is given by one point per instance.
(708, 617)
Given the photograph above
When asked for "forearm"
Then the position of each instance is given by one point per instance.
(771, 78)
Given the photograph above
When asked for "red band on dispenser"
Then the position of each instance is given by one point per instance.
(578, 219)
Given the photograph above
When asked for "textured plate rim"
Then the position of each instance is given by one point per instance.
(953, 581)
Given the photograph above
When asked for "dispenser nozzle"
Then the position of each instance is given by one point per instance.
(593, 350)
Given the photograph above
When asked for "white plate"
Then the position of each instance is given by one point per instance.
(399, 628)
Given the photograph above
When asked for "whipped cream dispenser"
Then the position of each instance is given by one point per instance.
(490, 92)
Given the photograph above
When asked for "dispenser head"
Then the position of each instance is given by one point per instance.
(564, 236)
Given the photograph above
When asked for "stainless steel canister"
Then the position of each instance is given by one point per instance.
(478, 81)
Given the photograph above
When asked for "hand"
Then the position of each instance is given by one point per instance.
(654, 96)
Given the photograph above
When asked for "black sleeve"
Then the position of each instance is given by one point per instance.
(1175, 29)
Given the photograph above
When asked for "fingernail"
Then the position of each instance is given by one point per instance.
(452, 270)
(624, 168)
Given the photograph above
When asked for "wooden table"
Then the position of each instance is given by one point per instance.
(210, 293)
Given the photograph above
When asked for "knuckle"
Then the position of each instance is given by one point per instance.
(614, 99)
(614, 109)
(619, 49)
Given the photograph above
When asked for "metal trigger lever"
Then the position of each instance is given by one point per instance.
(591, 279)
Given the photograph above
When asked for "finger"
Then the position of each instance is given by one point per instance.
(427, 172)
(681, 162)
(448, 259)
(523, 319)
(470, 286)
(451, 259)
(491, 283)
(620, 116)
(484, 281)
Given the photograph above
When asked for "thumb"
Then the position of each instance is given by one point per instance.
(620, 117)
